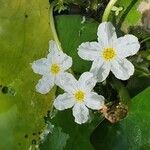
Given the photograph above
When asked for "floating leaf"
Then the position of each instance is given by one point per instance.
(131, 133)
(24, 36)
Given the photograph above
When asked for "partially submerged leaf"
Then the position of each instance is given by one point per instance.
(131, 133)
(24, 36)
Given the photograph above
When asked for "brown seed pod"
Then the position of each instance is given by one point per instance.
(115, 113)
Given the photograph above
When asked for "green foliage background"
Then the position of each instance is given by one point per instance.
(24, 34)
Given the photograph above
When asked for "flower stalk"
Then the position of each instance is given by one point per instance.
(108, 10)
(52, 25)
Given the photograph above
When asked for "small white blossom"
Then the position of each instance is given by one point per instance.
(51, 68)
(79, 95)
(110, 52)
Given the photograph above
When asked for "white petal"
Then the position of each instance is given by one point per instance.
(87, 81)
(40, 66)
(127, 45)
(89, 50)
(58, 57)
(54, 52)
(100, 69)
(96, 65)
(81, 113)
(64, 101)
(106, 34)
(67, 82)
(122, 69)
(53, 47)
(58, 79)
(95, 101)
(103, 72)
(45, 84)
(65, 61)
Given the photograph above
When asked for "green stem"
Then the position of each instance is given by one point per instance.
(108, 10)
(146, 39)
(52, 25)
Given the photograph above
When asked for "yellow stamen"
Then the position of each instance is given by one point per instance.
(109, 54)
(55, 68)
(79, 96)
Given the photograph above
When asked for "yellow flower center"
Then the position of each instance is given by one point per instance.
(109, 54)
(55, 68)
(79, 96)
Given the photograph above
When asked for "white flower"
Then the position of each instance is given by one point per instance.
(79, 95)
(109, 53)
(51, 68)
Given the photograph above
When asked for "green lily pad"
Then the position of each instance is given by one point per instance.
(24, 36)
(131, 133)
